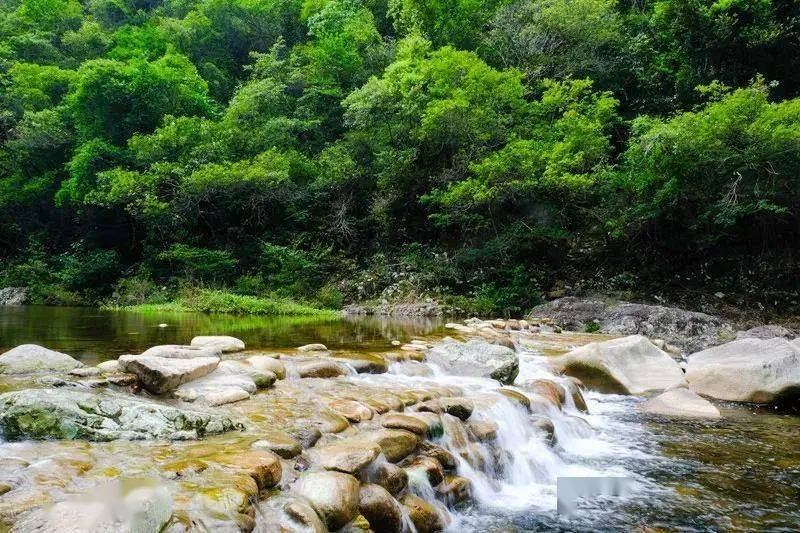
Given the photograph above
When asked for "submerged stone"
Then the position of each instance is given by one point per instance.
(72, 414)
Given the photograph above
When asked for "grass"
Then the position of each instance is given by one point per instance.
(216, 301)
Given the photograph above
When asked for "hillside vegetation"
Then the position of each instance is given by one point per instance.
(329, 151)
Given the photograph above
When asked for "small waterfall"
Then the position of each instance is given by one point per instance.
(518, 469)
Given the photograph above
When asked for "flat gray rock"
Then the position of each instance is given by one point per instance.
(476, 358)
(161, 374)
(30, 358)
(63, 413)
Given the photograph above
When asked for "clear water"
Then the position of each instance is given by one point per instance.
(738, 474)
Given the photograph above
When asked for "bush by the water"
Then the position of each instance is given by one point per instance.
(345, 150)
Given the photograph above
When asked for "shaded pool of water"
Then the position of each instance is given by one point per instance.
(93, 335)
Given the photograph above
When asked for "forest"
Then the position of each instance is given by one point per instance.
(487, 154)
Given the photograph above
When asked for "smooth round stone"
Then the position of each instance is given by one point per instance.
(381, 510)
(333, 495)
(284, 446)
(407, 422)
(349, 457)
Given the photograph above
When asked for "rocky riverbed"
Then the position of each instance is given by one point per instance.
(452, 432)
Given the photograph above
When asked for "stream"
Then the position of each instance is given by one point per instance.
(741, 473)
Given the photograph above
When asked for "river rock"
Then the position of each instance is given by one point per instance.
(575, 393)
(387, 475)
(264, 363)
(352, 410)
(769, 331)
(548, 390)
(321, 369)
(72, 414)
(225, 343)
(459, 407)
(454, 490)
(382, 511)
(29, 358)
(630, 365)
(425, 517)
(545, 426)
(160, 374)
(445, 458)
(365, 366)
(476, 358)
(483, 430)
(226, 384)
(262, 465)
(288, 514)
(262, 378)
(410, 423)
(13, 295)
(280, 443)
(516, 397)
(428, 466)
(176, 351)
(312, 348)
(350, 457)
(689, 330)
(109, 367)
(747, 370)
(333, 495)
(396, 444)
(681, 402)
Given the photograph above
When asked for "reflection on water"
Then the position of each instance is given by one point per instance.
(93, 335)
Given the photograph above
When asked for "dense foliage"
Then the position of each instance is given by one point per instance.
(346, 150)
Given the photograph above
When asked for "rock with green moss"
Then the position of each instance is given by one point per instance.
(103, 416)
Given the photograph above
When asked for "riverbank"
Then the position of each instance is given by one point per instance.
(217, 301)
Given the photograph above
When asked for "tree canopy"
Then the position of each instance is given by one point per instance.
(339, 150)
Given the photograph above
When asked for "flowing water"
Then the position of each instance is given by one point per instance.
(738, 474)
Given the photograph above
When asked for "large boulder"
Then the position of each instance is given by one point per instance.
(29, 358)
(747, 370)
(681, 403)
(629, 365)
(476, 358)
(161, 374)
(73, 414)
(224, 342)
(332, 494)
(689, 330)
